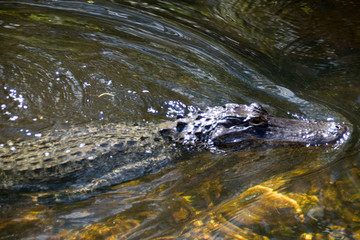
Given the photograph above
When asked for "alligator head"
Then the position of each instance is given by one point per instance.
(235, 126)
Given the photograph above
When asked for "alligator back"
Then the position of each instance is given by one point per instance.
(88, 157)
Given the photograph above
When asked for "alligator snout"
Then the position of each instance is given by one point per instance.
(334, 133)
(279, 131)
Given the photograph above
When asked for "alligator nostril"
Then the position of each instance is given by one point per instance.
(340, 127)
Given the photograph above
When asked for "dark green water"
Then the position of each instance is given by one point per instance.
(156, 59)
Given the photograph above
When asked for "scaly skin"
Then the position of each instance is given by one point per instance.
(95, 156)
(103, 154)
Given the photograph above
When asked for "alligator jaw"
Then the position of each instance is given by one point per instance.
(280, 131)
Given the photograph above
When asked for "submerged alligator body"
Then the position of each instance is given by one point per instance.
(95, 156)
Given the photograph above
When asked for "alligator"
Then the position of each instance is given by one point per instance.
(100, 155)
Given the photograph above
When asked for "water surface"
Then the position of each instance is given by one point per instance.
(72, 62)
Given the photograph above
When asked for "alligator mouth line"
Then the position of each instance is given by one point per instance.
(238, 141)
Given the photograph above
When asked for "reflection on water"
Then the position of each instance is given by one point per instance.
(68, 63)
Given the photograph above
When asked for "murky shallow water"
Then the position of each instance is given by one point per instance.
(156, 59)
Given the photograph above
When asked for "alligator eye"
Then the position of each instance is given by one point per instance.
(257, 121)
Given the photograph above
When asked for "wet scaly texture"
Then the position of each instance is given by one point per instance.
(105, 154)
